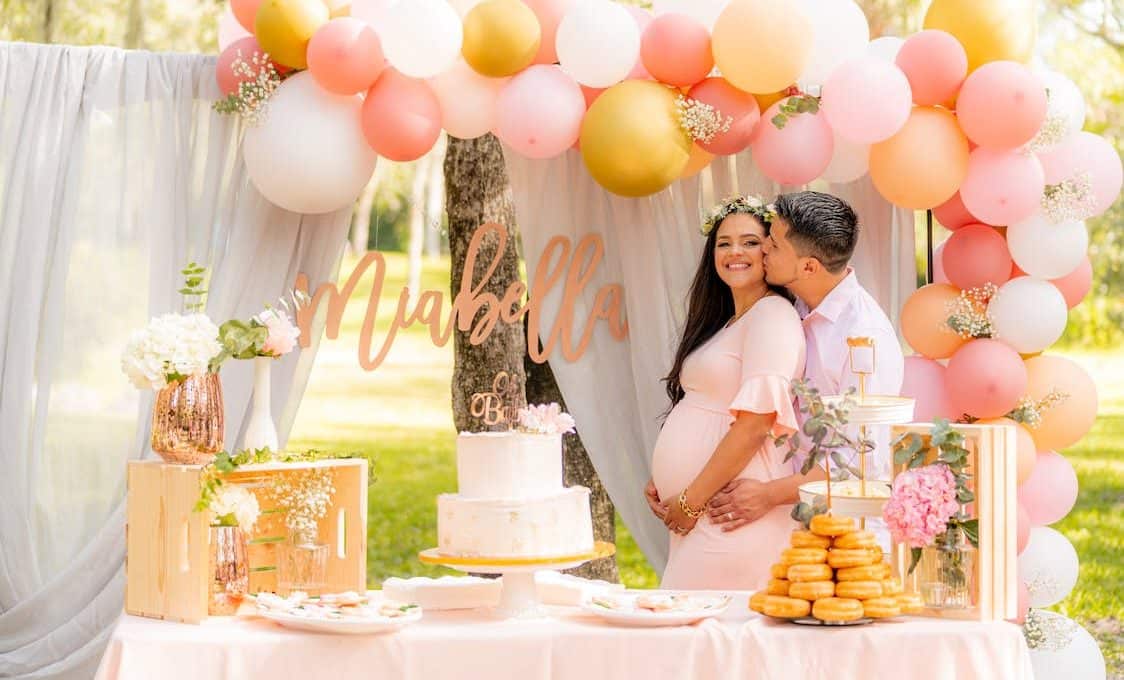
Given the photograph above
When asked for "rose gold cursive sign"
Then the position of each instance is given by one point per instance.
(560, 262)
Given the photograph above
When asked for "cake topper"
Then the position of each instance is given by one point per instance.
(501, 405)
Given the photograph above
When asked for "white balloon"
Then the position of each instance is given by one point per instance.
(308, 155)
(885, 48)
(464, 6)
(839, 33)
(230, 30)
(1068, 653)
(598, 43)
(706, 12)
(468, 100)
(849, 161)
(371, 11)
(420, 38)
(1048, 567)
(1045, 249)
(1028, 314)
(1065, 105)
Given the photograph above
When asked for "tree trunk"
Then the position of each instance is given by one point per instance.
(50, 20)
(134, 31)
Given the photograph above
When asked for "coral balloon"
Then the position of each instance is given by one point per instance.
(700, 158)
(729, 101)
(849, 161)
(676, 50)
(1026, 454)
(539, 112)
(1002, 186)
(839, 34)
(924, 381)
(250, 52)
(935, 64)
(1045, 249)
(598, 43)
(797, 153)
(1022, 528)
(420, 38)
(1049, 567)
(401, 117)
(989, 31)
(1075, 285)
(467, 99)
(866, 100)
(549, 14)
(985, 378)
(1086, 154)
(923, 321)
(748, 29)
(1028, 314)
(1066, 422)
(631, 141)
(1051, 491)
(1001, 105)
(976, 255)
(308, 154)
(501, 37)
(922, 165)
(952, 214)
(284, 27)
(245, 11)
(230, 31)
(344, 56)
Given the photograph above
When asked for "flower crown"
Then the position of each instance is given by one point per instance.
(747, 205)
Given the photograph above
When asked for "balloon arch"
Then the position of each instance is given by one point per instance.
(950, 120)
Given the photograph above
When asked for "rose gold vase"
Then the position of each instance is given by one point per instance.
(229, 570)
(187, 420)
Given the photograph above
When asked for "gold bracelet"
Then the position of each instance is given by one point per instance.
(687, 510)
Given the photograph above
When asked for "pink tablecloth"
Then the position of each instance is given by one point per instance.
(570, 646)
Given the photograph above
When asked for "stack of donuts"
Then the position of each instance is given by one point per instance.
(835, 573)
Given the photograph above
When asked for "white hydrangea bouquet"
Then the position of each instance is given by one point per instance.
(234, 506)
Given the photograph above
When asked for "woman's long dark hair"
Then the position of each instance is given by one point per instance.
(709, 307)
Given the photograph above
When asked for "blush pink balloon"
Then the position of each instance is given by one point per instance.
(1022, 528)
(401, 117)
(1002, 186)
(985, 378)
(1051, 491)
(247, 49)
(952, 214)
(1076, 284)
(975, 255)
(728, 100)
(924, 381)
(344, 56)
(539, 112)
(549, 14)
(935, 64)
(675, 48)
(796, 154)
(1086, 152)
(245, 11)
(230, 31)
(866, 100)
(1001, 105)
(643, 18)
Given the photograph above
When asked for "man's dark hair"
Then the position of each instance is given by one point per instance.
(820, 226)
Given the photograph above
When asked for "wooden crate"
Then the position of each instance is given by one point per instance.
(167, 541)
(992, 464)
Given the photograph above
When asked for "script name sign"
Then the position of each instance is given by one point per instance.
(476, 311)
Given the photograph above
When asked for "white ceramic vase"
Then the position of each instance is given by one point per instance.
(261, 433)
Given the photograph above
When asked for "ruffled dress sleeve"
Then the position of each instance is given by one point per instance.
(772, 355)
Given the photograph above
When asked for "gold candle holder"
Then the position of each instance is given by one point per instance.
(859, 348)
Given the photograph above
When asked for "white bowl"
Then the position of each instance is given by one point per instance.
(846, 499)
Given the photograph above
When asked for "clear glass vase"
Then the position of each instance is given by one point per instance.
(302, 564)
(947, 572)
(229, 569)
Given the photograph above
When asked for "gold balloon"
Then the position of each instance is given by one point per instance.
(501, 37)
(924, 163)
(631, 140)
(989, 30)
(284, 27)
(761, 45)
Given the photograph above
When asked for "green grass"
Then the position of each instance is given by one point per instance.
(399, 416)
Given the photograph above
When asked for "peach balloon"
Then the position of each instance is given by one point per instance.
(1026, 454)
(1001, 105)
(922, 165)
(1077, 284)
(344, 56)
(245, 11)
(797, 153)
(700, 158)
(866, 100)
(935, 64)
(762, 45)
(675, 48)
(401, 117)
(985, 378)
(728, 100)
(975, 255)
(1051, 491)
(923, 321)
(1003, 186)
(952, 214)
(1065, 423)
(549, 14)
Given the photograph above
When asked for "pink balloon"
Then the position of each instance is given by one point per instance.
(539, 112)
(401, 117)
(642, 17)
(245, 11)
(1022, 528)
(729, 101)
(952, 214)
(549, 13)
(985, 378)
(1086, 152)
(1001, 105)
(1002, 186)
(1076, 284)
(1051, 491)
(935, 64)
(939, 275)
(246, 48)
(675, 48)
(925, 381)
(866, 100)
(344, 56)
(975, 255)
(796, 154)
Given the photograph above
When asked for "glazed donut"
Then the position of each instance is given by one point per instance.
(812, 590)
(891, 586)
(777, 586)
(859, 590)
(786, 607)
(837, 609)
(850, 557)
(791, 556)
(831, 525)
(809, 572)
(869, 572)
(856, 539)
(887, 570)
(806, 539)
(778, 570)
(881, 607)
(910, 602)
(757, 602)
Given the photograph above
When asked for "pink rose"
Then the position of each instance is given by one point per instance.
(283, 335)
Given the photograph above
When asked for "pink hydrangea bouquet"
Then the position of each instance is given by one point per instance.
(545, 419)
(921, 504)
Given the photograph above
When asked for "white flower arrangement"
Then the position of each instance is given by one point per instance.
(233, 505)
(259, 80)
(748, 205)
(699, 120)
(545, 419)
(304, 495)
(170, 348)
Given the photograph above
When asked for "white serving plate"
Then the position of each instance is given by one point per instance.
(876, 409)
(845, 498)
(709, 606)
(347, 626)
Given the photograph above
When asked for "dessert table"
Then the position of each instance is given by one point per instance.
(569, 645)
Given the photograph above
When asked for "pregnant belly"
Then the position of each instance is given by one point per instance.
(685, 444)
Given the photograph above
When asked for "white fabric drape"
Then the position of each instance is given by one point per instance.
(652, 246)
(114, 173)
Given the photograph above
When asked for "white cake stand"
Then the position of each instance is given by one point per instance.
(519, 598)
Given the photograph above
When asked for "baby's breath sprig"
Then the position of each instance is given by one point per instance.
(259, 80)
(304, 495)
(1029, 411)
(748, 205)
(1048, 632)
(700, 120)
(967, 314)
(1072, 199)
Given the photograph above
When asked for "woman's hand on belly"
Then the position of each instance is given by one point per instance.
(653, 498)
(740, 502)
